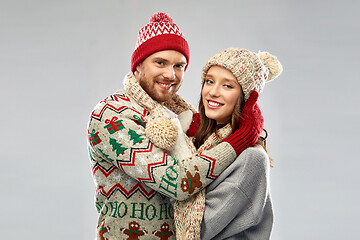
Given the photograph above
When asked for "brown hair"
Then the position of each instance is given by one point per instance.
(208, 126)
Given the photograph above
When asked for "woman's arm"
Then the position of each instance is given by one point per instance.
(239, 200)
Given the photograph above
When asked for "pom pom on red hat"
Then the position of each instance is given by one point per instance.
(161, 17)
(160, 34)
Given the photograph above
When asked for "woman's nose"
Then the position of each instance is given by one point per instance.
(214, 91)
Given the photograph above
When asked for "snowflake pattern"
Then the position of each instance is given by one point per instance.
(140, 170)
(118, 177)
(107, 183)
(140, 131)
(98, 178)
(121, 136)
(128, 182)
(143, 160)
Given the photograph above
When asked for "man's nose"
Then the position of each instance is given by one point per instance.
(169, 73)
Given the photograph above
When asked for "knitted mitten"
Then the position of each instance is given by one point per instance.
(250, 125)
(178, 105)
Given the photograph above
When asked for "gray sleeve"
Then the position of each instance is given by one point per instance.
(239, 198)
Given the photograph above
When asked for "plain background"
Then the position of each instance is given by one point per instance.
(59, 58)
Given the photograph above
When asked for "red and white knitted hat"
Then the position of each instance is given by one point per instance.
(161, 33)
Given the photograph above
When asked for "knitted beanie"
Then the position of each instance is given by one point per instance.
(161, 33)
(250, 69)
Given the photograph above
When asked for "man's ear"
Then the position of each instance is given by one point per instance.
(138, 67)
(137, 71)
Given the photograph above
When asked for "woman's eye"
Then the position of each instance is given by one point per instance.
(160, 62)
(208, 81)
(228, 86)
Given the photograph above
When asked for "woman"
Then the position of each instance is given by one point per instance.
(238, 203)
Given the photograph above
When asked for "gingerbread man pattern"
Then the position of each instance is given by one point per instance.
(133, 231)
(102, 230)
(164, 233)
(190, 183)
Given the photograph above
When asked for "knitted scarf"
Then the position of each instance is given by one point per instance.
(177, 104)
(188, 214)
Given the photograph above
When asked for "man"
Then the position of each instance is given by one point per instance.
(134, 177)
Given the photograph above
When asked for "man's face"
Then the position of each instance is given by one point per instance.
(161, 74)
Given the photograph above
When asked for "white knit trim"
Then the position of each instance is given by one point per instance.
(185, 119)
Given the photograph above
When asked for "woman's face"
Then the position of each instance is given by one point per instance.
(220, 93)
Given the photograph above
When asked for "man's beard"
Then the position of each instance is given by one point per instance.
(149, 88)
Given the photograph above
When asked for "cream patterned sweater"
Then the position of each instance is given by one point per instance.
(134, 178)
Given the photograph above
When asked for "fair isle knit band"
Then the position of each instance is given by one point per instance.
(158, 35)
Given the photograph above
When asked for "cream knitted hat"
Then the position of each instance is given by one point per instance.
(250, 69)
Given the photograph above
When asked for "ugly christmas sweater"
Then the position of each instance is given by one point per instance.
(135, 178)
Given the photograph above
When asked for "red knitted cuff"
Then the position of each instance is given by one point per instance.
(194, 126)
(242, 139)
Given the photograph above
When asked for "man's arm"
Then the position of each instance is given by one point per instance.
(117, 135)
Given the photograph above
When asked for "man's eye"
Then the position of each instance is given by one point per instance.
(160, 62)
(180, 66)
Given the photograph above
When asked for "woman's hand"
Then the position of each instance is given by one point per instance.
(250, 125)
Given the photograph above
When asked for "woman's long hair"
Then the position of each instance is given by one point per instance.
(208, 126)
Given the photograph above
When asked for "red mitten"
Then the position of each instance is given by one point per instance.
(250, 125)
(194, 126)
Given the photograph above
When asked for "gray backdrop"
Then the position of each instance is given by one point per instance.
(59, 58)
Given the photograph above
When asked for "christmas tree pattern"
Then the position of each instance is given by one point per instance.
(117, 147)
(135, 137)
(113, 126)
(139, 120)
(105, 155)
(94, 137)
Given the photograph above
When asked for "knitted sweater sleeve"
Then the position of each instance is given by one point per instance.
(116, 134)
(238, 203)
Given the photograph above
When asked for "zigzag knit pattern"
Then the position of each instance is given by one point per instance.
(152, 30)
